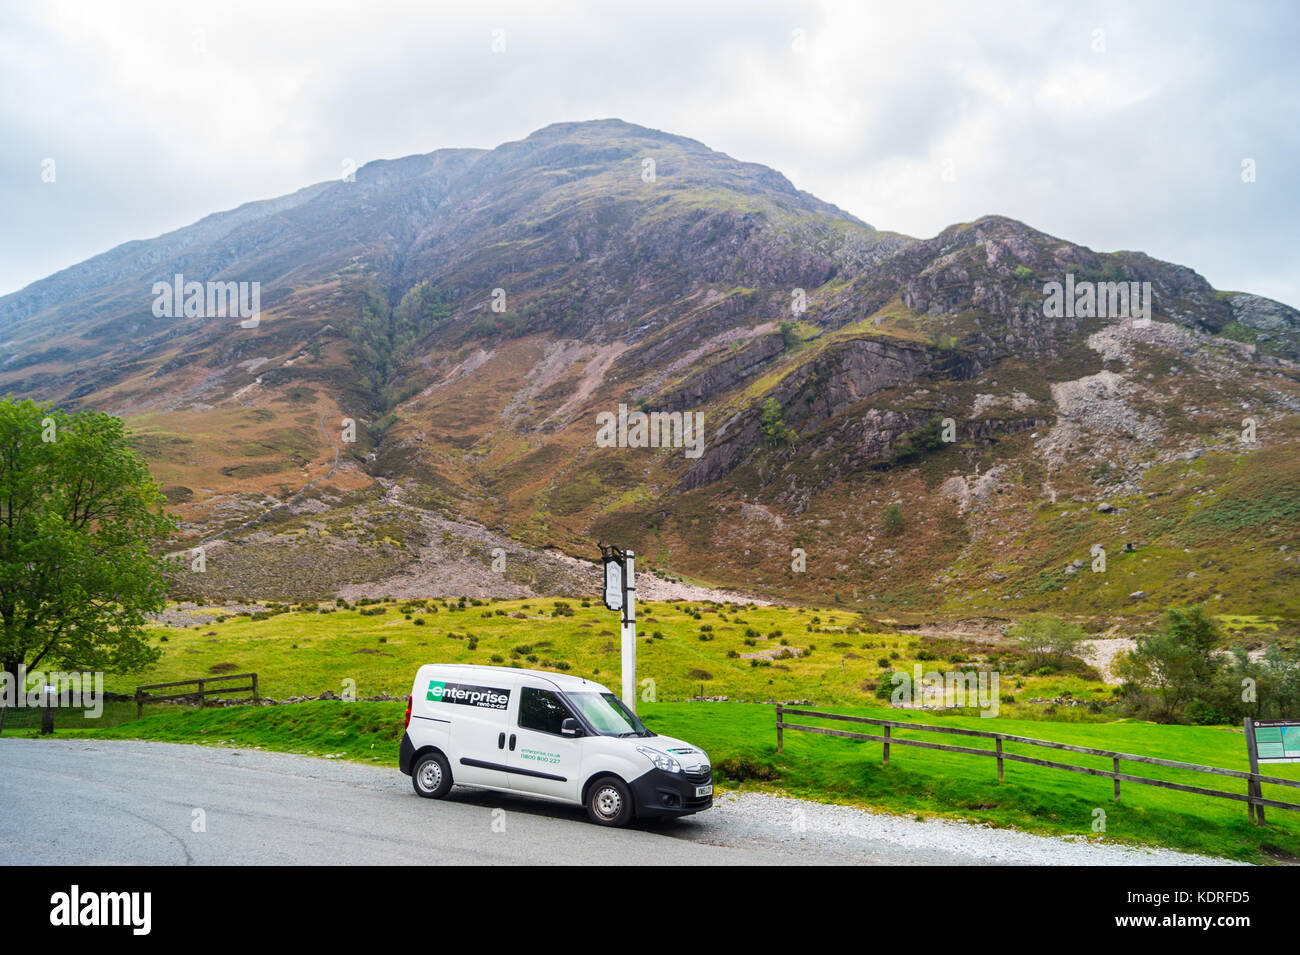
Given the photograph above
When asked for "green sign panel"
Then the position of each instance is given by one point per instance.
(1277, 741)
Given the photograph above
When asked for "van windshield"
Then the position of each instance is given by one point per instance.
(608, 715)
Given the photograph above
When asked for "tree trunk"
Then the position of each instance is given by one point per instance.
(10, 668)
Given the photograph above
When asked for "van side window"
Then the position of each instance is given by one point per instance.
(541, 710)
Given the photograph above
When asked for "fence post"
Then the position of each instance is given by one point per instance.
(887, 745)
(780, 739)
(1253, 788)
(47, 711)
(255, 700)
(1115, 764)
(203, 700)
(999, 759)
(139, 703)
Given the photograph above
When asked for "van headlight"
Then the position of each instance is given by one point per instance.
(661, 760)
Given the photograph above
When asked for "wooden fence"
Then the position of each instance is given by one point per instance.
(1253, 796)
(204, 689)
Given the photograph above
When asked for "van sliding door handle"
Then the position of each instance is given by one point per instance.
(501, 740)
(512, 742)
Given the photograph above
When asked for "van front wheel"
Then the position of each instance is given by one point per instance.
(431, 776)
(609, 802)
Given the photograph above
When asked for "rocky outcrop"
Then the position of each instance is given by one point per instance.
(1263, 314)
(841, 377)
(723, 375)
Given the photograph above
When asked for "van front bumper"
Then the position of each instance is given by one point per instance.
(659, 793)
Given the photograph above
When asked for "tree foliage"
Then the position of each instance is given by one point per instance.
(893, 517)
(789, 334)
(914, 446)
(1047, 640)
(382, 335)
(78, 512)
(776, 433)
(1179, 674)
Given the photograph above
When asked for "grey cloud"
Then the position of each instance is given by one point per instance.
(862, 119)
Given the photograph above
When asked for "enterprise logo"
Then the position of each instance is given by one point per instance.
(484, 696)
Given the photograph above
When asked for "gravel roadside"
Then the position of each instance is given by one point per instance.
(847, 834)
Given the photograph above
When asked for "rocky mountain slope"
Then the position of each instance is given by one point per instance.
(890, 424)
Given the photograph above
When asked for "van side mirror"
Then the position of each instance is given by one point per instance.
(570, 727)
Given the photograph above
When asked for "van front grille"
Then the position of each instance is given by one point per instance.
(701, 774)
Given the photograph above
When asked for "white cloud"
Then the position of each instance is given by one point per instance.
(158, 114)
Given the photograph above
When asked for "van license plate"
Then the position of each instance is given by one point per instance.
(703, 791)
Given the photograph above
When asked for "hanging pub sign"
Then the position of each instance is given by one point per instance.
(613, 582)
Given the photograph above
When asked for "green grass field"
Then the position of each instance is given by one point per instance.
(306, 653)
(820, 655)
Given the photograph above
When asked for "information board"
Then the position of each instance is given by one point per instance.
(1277, 741)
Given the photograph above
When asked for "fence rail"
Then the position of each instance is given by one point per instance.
(203, 691)
(1253, 796)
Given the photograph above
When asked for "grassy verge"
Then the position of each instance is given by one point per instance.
(740, 738)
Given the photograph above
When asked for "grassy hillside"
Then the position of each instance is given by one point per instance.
(744, 653)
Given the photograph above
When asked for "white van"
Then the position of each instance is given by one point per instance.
(551, 735)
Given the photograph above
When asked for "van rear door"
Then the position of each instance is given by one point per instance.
(544, 762)
(476, 706)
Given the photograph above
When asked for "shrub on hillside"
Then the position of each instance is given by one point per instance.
(1046, 640)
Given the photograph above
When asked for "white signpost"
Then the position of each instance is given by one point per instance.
(620, 595)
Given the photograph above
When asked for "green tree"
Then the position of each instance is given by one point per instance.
(912, 447)
(789, 334)
(372, 339)
(1178, 662)
(776, 433)
(420, 309)
(78, 512)
(1047, 640)
(893, 518)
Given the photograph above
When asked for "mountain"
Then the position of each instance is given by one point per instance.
(473, 313)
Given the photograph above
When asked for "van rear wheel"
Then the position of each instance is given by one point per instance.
(431, 776)
(609, 802)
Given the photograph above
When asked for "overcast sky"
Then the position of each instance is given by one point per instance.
(1119, 126)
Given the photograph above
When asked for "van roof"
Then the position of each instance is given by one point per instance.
(564, 681)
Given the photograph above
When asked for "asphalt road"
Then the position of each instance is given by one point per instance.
(76, 802)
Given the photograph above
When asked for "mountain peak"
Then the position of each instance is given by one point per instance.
(610, 128)
(471, 312)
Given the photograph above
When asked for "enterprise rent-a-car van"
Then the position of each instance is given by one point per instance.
(551, 735)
